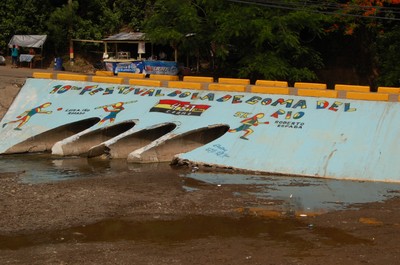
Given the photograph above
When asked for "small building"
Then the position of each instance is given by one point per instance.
(132, 52)
(125, 46)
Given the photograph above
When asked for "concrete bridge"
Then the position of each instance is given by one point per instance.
(266, 127)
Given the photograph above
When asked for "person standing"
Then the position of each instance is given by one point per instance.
(14, 56)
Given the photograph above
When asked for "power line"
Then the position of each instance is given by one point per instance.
(331, 9)
(320, 4)
(302, 5)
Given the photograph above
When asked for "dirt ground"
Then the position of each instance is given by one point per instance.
(149, 218)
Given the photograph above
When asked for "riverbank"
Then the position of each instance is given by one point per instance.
(156, 215)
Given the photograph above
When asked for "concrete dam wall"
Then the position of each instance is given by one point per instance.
(268, 129)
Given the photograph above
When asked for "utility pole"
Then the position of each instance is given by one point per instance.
(71, 43)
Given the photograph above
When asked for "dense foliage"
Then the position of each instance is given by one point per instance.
(292, 40)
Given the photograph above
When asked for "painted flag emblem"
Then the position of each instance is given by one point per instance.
(177, 107)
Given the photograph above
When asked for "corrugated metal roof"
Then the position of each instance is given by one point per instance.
(126, 36)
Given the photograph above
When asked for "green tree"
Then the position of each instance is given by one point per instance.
(269, 43)
(240, 39)
(388, 57)
(22, 17)
(171, 22)
(82, 20)
(132, 13)
(60, 25)
(358, 41)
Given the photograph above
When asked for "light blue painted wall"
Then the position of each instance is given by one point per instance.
(353, 140)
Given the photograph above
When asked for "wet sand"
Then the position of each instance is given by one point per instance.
(148, 217)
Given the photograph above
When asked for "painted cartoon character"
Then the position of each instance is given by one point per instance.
(25, 117)
(115, 109)
(247, 124)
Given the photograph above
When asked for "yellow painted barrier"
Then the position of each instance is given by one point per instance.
(309, 85)
(367, 96)
(226, 87)
(106, 79)
(184, 84)
(145, 82)
(391, 90)
(72, 77)
(131, 75)
(305, 92)
(104, 73)
(269, 83)
(234, 81)
(42, 75)
(165, 77)
(204, 79)
(354, 88)
(270, 90)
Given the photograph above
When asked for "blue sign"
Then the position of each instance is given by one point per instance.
(146, 67)
(126, 67)
(131, 67)
(161, 67)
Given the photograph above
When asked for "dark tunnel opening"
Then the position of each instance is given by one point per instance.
(166, 151)
(130, 143)
(43, 142)
(85, 142)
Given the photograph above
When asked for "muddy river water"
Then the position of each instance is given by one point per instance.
(297, 195)
(291, 199)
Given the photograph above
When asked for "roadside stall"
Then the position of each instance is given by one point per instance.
(34, 44)
(131, 52)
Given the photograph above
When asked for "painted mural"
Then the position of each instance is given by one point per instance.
(282, 134)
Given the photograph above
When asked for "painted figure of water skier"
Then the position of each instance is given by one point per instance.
(247, 124)
(25, 117)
